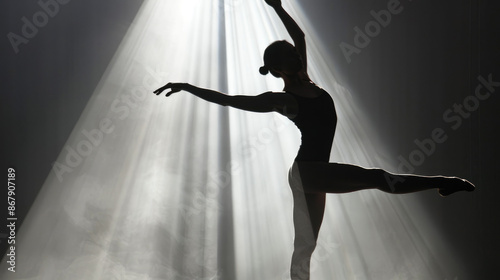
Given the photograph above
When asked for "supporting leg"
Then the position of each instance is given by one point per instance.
(308, 211)
(307, 222)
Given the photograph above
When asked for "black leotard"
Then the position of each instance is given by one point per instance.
(316, 121)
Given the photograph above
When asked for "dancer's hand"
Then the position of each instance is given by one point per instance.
(274, 3)
(174, 87)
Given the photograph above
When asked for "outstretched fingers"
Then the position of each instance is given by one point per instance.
(158, 91)
(173, 89)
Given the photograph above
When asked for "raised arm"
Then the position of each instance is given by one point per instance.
(266, 102)
(293, 29)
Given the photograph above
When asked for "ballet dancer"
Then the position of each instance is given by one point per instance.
(311, 175)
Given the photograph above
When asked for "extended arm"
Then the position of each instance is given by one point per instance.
(293, 29)
(266, 102)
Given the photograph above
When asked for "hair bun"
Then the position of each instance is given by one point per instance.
(263, 70)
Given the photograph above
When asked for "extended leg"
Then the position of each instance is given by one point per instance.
(318, 177)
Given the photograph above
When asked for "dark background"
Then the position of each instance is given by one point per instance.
(424, 61)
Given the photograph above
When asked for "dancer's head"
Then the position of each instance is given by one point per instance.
(280, 58)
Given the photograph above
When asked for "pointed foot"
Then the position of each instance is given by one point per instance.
(454, 185)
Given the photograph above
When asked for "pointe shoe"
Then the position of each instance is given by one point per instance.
(459, 185)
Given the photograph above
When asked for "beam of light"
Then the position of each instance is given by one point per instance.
(180, 189)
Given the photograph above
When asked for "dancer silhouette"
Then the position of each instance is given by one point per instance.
(313, 111)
